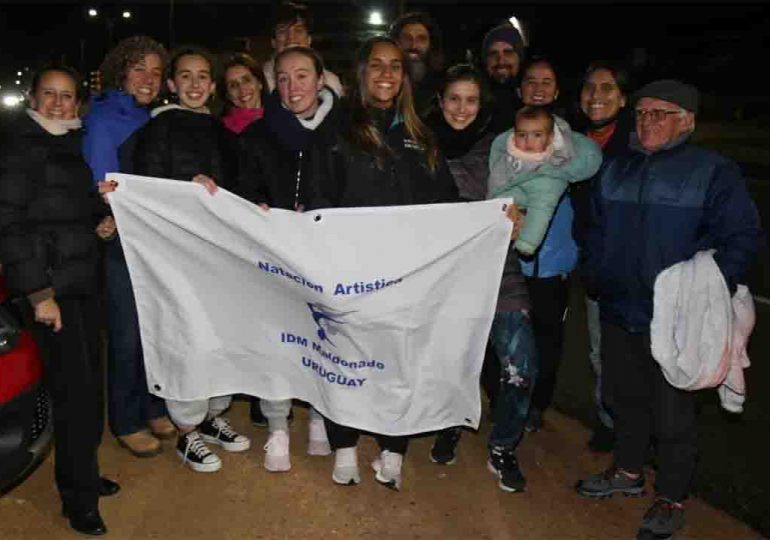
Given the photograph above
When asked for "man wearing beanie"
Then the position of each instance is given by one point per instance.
(502, 53)
(653, 207)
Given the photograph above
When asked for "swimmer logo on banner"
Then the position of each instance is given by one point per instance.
(378, 317)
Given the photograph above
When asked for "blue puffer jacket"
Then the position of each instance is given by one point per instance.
(650, 211)
(558, 254)
(112, 118)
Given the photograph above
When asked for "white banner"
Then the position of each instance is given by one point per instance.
(378, 317)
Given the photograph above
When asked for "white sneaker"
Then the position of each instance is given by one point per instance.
(194, 453)
(387, 469)
(318, 443)
(277, 452)
(346, 467)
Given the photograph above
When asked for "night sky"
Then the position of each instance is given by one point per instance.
(723, 49)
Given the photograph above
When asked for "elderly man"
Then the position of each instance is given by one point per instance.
(655, 206)
(420, 38)
(292, 25)
(502, 53)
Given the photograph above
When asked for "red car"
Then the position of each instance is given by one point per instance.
(26, 424)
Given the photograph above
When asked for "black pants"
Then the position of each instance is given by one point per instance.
(645, 404)
(346, 437)
(549, 298)
(74, 380)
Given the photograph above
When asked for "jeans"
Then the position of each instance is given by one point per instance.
(514, 341)
(129, 403)
(645, 404)
(595, 337)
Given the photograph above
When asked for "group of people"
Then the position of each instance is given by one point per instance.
(620, 193)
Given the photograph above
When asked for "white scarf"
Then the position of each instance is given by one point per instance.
(54, 126)
(327, 100)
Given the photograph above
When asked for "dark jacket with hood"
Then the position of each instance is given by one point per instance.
(285, 161)
(179, 143)
(653, 210)
(505, 103)
(48, 212)
(466, 152)
(403, 176)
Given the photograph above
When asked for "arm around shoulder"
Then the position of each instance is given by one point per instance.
(587, 159)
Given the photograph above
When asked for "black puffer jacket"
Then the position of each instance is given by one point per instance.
(48, 212)
(179, 143)
(283, 163)
(404, 177)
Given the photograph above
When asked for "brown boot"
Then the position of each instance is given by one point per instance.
(141, 444)
(162, 427)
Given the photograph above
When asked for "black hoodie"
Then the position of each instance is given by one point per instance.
(284, 163)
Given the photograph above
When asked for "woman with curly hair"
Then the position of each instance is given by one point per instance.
(131, 73)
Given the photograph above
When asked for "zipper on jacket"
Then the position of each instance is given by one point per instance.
(299, 180)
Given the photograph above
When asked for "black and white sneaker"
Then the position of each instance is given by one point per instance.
(445, 445)
(218, 431)
(194, 452)
(503, 464)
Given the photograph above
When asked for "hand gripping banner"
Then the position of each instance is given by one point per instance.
(378, 317)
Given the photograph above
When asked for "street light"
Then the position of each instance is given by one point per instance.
(518, 26)
(18, 73)
(92, 12)
(126, 14)
(375, 18)
(10, 101)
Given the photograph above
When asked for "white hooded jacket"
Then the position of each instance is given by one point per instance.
(699, 333)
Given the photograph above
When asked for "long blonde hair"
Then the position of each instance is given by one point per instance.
(364, 132)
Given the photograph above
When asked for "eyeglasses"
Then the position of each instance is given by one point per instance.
(655, 115)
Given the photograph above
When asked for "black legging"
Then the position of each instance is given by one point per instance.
(74, 380)
(346, 437)
(549, 298)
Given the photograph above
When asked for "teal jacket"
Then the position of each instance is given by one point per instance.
(539, 190)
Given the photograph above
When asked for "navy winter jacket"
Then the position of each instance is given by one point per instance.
(650, 211)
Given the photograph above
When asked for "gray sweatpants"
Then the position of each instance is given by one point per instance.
(188, 414)
(277, 414)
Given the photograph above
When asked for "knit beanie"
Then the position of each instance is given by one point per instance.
(507, 34)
